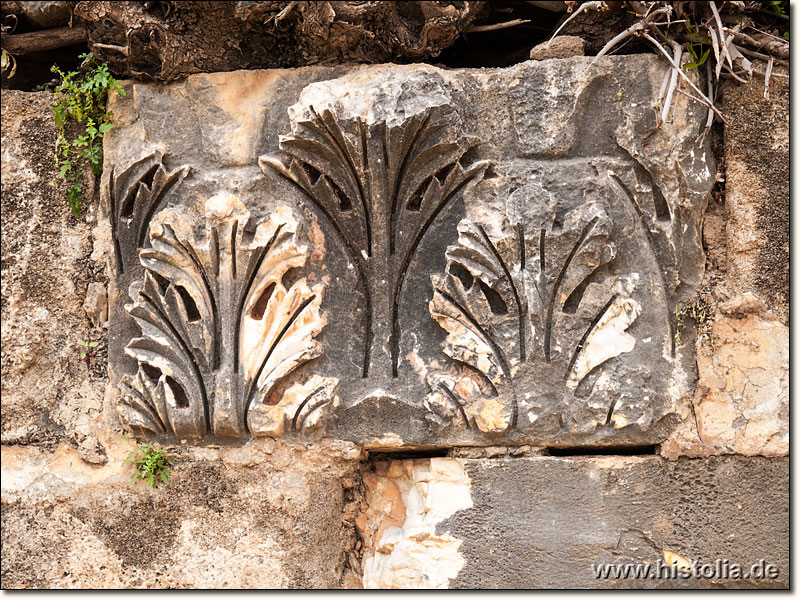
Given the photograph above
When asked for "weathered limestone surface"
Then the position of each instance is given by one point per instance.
(48, 394)
(543, 521)
(405, 502)
(259, 516)
(184, 170)
(362, 253)
(256, 516)
(741, 404)
(757, 191)
(562, 46)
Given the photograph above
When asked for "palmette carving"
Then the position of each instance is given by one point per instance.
(524, 311)
(551, 318)
(222, 323)
(380, 187)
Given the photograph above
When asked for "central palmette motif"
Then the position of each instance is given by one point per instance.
(381, 187)
(222, 323)
(525, 313)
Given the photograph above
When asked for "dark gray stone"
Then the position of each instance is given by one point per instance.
(404, 256)
(543, 522)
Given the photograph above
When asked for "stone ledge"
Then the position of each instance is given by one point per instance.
(542, 522)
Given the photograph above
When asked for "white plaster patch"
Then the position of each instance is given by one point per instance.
(413, 555)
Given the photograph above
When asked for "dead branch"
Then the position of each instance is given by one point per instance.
(704, 100)
(46, 39)
(760, 56)
(767, 34)
(690, 96)
(581, 8)
(663, 89)
(710, 93)
(677, 51)
(645, 23)
(715, 46)
(766, 78)
(721, 33)
(496, 26)
(740, 60)
(779, 49)
(764, 73)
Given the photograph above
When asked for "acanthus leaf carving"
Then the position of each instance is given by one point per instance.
(301, 407)
(279, 323)
(133, 195)
(142, 405)
(221, 325)
(526, 309)
(180, 393)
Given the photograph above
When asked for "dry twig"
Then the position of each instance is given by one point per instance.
(717, 18)
(581, 8)
(496, 26)
(633, 30)
(677, 52)
(704, 100)
(761, 56)
(778, 48)
(766, 77)
(715, 45)
(710, 93)
(46, 39)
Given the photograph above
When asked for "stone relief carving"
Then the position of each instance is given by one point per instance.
(133, 196)
(523, 312)
(401, 271)
(222, 323)
(380, 187)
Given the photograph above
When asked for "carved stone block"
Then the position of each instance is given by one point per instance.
(403, 255)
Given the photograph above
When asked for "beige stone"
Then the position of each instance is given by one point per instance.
(742, 400)
(744, 304)
(96, 304)
(405, 502)
(562, 46)
(273, 520)
(48, 393)
(757, 191)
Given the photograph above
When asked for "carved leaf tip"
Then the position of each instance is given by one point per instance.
(302, 407)
(142, 404)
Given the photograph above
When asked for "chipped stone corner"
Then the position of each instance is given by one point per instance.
(741, 402)
(405, 501)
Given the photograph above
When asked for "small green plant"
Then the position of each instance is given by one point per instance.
(87, 350)
(695, 46)
(151, 463)
(777, 7)
(700, 312)
(81, 97)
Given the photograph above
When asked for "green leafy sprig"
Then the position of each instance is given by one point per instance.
(82, 97)
(151, 463)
